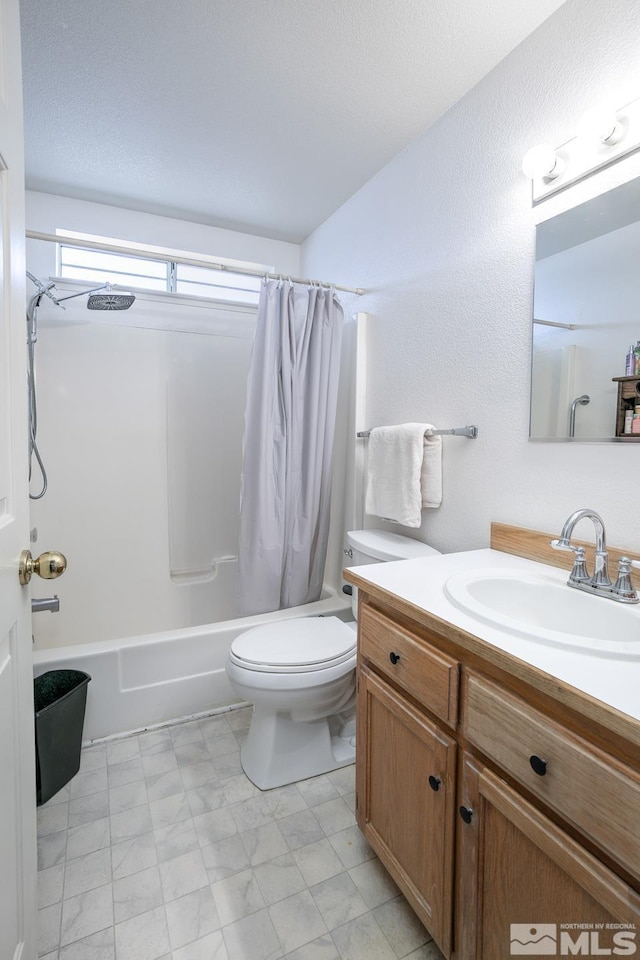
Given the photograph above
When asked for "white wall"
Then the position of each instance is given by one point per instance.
(443, 240)
(141, 433)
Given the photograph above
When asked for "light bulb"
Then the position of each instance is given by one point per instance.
(600, 124)
(541, 161)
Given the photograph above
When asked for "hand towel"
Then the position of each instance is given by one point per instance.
(396, 472)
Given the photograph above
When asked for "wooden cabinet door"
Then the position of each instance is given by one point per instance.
(523, 881)
(407, 817)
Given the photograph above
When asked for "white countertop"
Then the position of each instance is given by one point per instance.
(616, 682)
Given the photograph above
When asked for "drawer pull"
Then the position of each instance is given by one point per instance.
(466, 813)
(537, 765)
(394, 657)
(434, 783)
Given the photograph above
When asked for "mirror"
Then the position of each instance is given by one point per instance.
(586, 315)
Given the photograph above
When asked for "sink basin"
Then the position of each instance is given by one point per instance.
(546, 610)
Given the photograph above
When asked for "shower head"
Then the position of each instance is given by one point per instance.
(110, 301)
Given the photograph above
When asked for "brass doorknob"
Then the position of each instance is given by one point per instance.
(48, 565)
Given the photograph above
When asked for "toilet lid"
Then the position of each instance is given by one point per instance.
(305, 642)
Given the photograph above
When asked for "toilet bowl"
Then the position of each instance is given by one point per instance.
(300, 677)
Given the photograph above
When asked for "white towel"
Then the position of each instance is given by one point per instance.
(404, 472)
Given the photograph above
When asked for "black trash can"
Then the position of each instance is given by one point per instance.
(60, 697)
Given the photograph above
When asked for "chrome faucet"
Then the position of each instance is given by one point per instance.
(599, 583)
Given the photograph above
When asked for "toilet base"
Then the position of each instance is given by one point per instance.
(279, 750)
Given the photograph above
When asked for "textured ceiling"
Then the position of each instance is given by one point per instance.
(258, 115)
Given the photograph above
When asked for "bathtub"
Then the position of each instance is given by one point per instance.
(140, 682)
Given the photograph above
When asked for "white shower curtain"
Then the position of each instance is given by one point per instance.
(288, 446)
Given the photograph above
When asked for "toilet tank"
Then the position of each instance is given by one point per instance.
(379, 546)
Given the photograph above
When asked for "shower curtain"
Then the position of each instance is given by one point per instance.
(288, 446)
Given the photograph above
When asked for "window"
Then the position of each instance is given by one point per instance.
(96, 267)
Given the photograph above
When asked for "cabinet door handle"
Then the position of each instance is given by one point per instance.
(466, 813)
(394, 657)
(537, 765)
(434, 783)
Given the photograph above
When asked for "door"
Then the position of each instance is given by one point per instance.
(405, 806)
(528, 888)
(17, 776)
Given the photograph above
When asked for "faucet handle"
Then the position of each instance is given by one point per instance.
(623, 586)
(564, 544)
(579, 572)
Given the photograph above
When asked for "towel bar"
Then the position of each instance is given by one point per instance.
(470, 432)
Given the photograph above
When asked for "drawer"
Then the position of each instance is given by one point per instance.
(598, 796)
(420, 670)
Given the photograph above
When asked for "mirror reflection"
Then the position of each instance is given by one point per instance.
(585, 379)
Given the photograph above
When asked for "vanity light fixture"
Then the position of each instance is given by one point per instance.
(541, 162)
(604, 135)
(600, 125)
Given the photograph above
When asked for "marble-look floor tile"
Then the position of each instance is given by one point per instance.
(279, 878)
(183, 875)
(99, 946)
(53, 819)
(400, 926)
(162, 785)
(344, 779)
(321, 949)
(87, 873)
(211, 947)
(251, 813)
(237, 896)
(351, 847)
(222, 744)
(350, 800)
(240, 719)
(51, 849)
(264, 843)
(197, 774)
(284, 801)
(206, 797)
(133, 855)
(253, 936)
(155, 741)
(128, 772)
(88, 837)
(297, 920)
(362, 939)
(183, 733)
(92, 758)
(50, 885)
(127, 796)
(214, 826)
(216, 726)
(189, 753)
(136, 894)
(374, 883)
(224, 858)
(428, 951)
(317, 790)
(86, 783)
(175, 840)
(119, 751)
(300, 829)
(156, 763)
(144, 937)
(338, 900)
(169, 810)
(50, 956)
(95, 806)
(239, 788)
(191, 917)
(318, 861)
(86, 913)
(49, 928)
(227, 766)
(131, 823)
(333, 816)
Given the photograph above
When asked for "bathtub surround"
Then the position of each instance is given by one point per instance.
(152, 852)
(288, 440)
(443, 239)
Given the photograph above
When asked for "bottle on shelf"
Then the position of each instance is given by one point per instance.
(630, 362)
(636, 360)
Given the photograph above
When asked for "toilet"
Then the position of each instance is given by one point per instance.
(300, 676)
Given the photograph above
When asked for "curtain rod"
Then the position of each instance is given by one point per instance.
(188, 261)
(554, 323)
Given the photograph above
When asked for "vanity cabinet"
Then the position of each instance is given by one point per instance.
(491, 804)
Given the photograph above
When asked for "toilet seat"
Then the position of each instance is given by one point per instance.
(301, 645)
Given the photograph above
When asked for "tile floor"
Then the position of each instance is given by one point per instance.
(161, 849)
